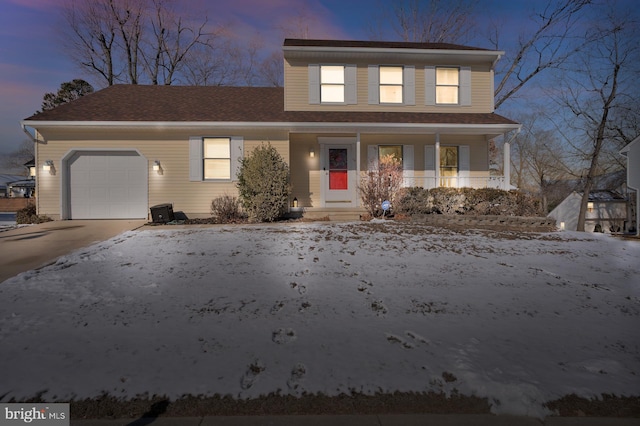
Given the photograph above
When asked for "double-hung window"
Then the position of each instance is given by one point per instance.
(447, 86)
(394, 151)
(332, 85)
(217, 158)
(391, 84)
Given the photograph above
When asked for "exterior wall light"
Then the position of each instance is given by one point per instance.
(156, 166)
(312, 153)
(590, 207)
(32, 171)
(47, 166)
(295, 202)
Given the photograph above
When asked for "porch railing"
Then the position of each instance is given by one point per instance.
(496, 182)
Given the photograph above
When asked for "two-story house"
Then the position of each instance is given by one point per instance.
(118, 151)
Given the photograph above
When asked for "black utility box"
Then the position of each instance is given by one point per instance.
(162, 213)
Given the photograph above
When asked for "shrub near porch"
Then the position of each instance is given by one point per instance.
(456, 201)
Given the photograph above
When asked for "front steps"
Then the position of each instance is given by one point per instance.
(334, 214)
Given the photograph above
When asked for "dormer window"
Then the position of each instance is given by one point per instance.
(447, 85)
(332, 83)
(391, 85)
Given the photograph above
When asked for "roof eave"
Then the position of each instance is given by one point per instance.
(491, 54)
(355, 126)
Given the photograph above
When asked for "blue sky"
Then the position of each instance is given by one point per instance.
(33, 63)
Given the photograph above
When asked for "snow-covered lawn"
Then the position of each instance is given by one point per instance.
(354, 307)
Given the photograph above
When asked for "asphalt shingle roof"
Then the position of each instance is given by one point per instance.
(227, 104)
(377, 44)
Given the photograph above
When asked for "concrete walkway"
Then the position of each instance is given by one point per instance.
(33, 246)
(367, 420)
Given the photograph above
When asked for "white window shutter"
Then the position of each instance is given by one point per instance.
(314, 83)
(374, 85)
(195, 158)
(237, 154)
(465, 86)
(407, 166)
(351, 87)
(429, 85)
(464, 165)
(429, 158)
(372, 157)
(409, 88)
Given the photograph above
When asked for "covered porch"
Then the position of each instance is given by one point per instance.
(326, 166)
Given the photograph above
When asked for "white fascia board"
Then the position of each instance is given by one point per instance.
(392, 50)
(308, 126)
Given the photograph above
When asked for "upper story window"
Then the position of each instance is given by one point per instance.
(217, 158)
(447, 85)
(391, 85)
(332, 83)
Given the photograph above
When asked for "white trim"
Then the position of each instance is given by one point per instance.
(65, 188)
(338, 126)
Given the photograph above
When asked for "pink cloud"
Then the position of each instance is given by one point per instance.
(37, 4)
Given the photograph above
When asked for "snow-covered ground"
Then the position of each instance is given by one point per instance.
(354, 307)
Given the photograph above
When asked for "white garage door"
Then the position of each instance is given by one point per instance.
(107, 185)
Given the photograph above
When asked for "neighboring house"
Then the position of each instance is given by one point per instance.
(6, 187)
(632, 152)
(606, 212)
(118, 151)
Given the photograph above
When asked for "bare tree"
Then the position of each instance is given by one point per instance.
(14, 161)
(432, 21)
(133, 41)
(90, 38)
(538, 159)
(551, 44)
(599, 90)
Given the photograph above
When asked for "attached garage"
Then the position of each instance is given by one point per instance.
(105, 185)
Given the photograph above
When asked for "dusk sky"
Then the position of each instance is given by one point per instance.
(32, 61)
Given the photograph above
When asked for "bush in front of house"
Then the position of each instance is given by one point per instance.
(382, 182)
(28, 215)
(226, 209)
(263, 184)
(481, 201)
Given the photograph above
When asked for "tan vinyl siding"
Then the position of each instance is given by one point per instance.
(305, 171)
(297, 90)
(170, 148)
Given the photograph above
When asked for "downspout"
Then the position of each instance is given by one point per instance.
(35, 160)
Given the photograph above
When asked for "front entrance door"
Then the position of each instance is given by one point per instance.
(339, 178)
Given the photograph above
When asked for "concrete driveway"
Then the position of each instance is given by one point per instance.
(30, 247)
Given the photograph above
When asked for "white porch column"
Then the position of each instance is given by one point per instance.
(507, 165)
(437, 161)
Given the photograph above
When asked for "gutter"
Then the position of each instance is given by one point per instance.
(272, 125)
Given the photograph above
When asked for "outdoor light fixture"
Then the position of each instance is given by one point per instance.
(32, 171)
(312, 153)
(47, 166)
(295, 202)
(590, 207)
(156, 166)
(562, 226)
